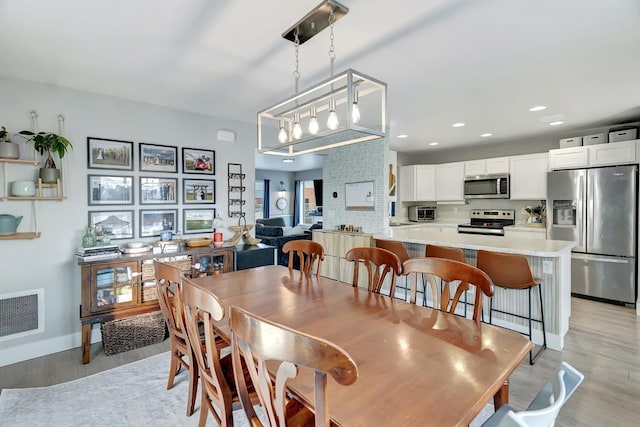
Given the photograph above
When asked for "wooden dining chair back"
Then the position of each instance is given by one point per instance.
(379, 263)
(168, 283)
(400, 250)
(201, 310)
(449, 270)
(310, 255)
(256, 341)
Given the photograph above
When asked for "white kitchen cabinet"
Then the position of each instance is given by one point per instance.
(569, 158)
(417, 183)
(486, 166)
(614, 153)
(529, 176)
(450, 182)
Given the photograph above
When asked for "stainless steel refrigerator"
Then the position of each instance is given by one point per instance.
(597, 208)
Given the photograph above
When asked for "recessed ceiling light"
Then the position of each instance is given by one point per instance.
(559, 122)
(538, 108)
(434, 143)
(288, 160)
(485, 135)
(458, 125)
(403, 136)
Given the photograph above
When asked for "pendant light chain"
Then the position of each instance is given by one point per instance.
(332, 51)
(296, 73)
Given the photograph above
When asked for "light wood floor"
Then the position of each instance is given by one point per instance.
(603, 343)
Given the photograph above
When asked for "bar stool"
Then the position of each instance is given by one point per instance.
(512, 271)
(399, 249)
(445, 252)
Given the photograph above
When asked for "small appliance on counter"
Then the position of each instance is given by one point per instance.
(488, 222)
(422, 213)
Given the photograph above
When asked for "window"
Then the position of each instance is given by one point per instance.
(259, 202)
(308, 202)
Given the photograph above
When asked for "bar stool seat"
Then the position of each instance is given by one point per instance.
(512, 271)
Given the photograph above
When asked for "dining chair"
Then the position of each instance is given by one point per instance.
(379, 263)
(308, 252)
(256, 341)
(446, 252)
(400, 250)
(448, 271)
(545, 407)
(168, 283)
(201, 310)
(512, 271)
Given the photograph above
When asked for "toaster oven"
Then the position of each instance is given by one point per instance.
(422, 213)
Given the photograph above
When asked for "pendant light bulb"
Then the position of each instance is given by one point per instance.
(332, 121)
(282, 134)
(355, 110)
(297, 129)
(314, 127)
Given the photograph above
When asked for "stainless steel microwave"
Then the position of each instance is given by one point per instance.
(487, 187)
(422, 213)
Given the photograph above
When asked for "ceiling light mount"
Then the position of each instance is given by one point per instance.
(315, 21)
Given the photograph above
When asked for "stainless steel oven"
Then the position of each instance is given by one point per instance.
(487, 186)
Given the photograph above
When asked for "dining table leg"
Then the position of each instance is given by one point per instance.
(502, 396)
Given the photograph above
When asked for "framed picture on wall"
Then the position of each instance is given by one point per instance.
(110, 190)
(196, 160)
(199, 191)
(198, 220)
(109, 154)
(158, 158)
(158, 191)
(154, 222)
(114, 224)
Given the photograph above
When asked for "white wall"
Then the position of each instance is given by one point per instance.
(49, 262)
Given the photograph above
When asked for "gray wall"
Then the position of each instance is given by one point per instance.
(49, 262)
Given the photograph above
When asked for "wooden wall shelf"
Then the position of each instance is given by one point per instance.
(17, 236)
(32, 198)
(32, 162)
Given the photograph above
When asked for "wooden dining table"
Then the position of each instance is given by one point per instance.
(416, 365)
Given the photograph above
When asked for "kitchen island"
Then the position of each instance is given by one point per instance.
(550, 262)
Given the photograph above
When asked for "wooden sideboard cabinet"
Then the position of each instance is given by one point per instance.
(122, 287)
(336, 245)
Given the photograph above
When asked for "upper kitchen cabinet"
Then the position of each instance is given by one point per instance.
(614, 153)
(486, 166)
(450, 180)
(529, 176)
(417, 183)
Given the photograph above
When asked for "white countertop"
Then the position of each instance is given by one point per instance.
(531, 247)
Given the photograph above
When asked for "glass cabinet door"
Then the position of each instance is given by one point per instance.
(206, 265)
(114, 286)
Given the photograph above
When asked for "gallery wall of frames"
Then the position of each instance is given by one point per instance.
(173, 189)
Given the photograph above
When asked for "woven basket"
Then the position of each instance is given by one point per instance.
(149, 291)
(148, 272)
(133, 332)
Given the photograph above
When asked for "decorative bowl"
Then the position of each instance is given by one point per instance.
(23, 188)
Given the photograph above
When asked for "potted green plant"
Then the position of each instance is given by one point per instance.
(47, 142)
(8, 149)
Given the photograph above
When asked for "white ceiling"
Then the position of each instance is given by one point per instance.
(484, 63)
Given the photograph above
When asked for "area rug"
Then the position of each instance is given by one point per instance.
(130, 395)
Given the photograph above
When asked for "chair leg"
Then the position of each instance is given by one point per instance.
(174, 367)
(193, 385)
(532, 357)
(204, 405)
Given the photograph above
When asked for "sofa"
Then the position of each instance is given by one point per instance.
(273, 232)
